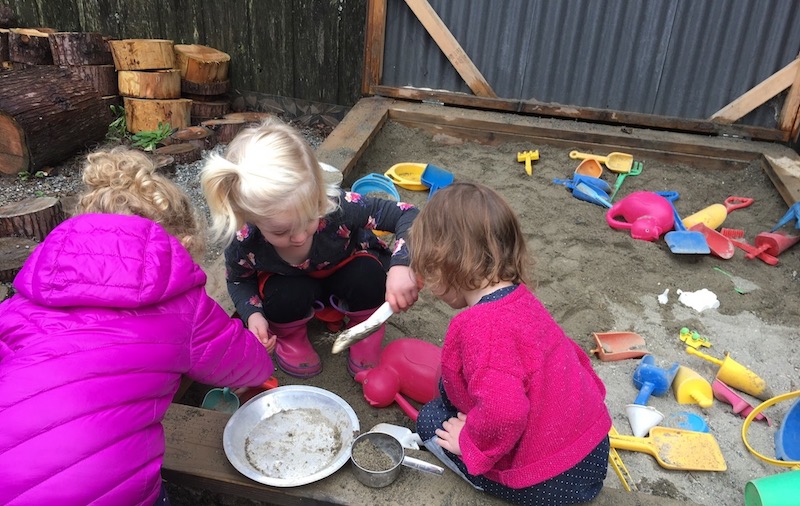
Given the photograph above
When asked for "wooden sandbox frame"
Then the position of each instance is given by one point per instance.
(345, 145)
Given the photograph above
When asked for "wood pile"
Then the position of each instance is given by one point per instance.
(88, 56)
(46, 115)
(204, 80)
(149, 84)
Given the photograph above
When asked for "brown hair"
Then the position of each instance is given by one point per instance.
(124, 181)
(466, 237)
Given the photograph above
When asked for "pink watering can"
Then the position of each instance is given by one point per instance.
(647, 215)
(408, 367)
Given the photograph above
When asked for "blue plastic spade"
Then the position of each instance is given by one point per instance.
(595, 182)
(651, 379)
(591, 194)
(792, 214)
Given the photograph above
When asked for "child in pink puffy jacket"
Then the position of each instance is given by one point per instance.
(110, 310)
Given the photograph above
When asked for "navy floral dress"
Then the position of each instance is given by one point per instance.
(340, 235)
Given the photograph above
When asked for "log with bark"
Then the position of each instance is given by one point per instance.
(142, 54)
(30, 46)
(225, 129)
(80, 48)
(102, 78)
(46, 116)
(13, 253)
(199, 136)
(202, 111)
(215, 88)
(33, 217)
(201, 64)
(145, 114)
(249, 117)
(181, 153)
(4, 45)
(150, 84)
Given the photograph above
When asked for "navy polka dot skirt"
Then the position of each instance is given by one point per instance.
(579, 484)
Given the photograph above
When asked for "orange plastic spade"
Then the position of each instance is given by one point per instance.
(719, 245)
(612, 346)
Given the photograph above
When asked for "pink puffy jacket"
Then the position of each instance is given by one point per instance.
(110, 311)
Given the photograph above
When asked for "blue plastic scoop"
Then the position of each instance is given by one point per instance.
(221, 399)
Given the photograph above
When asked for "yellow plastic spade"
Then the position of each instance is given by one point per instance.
(737, 376)
(616, 162)
(686, 450)
(691, 388)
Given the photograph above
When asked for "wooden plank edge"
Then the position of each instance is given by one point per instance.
(758, 94)
(784, 171)
(348, 141)
(375, 39)
(448, 44)
(604, 116)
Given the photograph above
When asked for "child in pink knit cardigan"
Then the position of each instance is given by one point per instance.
(521, 414)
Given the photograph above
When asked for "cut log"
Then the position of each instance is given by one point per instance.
(249, 116)
(145, 114)
(201, 64)
(4, 45)
(142, 54)
(102, 78)
(199, 136)
(13, 253)
(215, 88)
(225, 129)
(181, 153)
(202, 111)
(80, 48)
(150, 84)
(165, 164)
(46, 115)
(33, 217)
(30, 46)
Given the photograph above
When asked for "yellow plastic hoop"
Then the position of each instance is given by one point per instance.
(761, 407)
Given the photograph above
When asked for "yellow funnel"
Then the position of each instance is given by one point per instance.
(737, 376)
(691, 388)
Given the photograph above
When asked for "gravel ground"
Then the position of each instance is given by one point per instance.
(64, 181)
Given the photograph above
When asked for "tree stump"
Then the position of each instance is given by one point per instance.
(46, 115)
(199, 136)
(145, 114)
(201, 64)
(79, 48)
(150, 84)
(164, 164)
(225, 129)
(181, 153)
(29, 45)
(33, 218)
(102, 78)
(205, 89)
(13, 253)
(202, 111)
(142, 54)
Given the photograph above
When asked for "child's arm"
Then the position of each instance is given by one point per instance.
(241, 277)
(222, 351)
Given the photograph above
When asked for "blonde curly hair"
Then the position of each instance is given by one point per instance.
(124, 181)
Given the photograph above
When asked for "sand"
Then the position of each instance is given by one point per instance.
(593, 278)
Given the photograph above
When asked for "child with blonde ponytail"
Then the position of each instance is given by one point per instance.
(294, 241)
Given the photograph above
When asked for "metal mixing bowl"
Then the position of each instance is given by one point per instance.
(290, 435)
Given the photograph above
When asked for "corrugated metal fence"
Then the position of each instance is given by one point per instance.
(678, 58)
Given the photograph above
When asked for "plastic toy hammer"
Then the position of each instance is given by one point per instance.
(527, 156)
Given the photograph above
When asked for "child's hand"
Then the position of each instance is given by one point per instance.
(258, 325)
(401, 288)
(448, 437)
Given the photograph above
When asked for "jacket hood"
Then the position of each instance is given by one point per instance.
(107, 260)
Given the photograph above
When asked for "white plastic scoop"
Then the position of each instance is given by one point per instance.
(354, 334)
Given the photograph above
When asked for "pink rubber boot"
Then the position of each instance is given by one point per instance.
(366, 353)
(296, 357)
